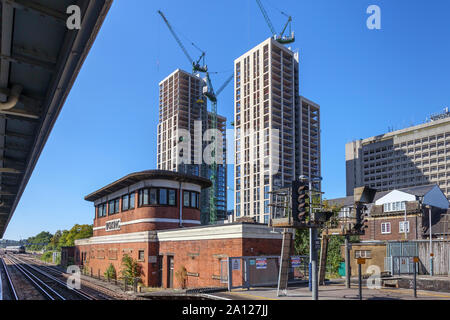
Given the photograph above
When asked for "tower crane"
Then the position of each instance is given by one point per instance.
(196, 67)
(212, 96)
(281, 38)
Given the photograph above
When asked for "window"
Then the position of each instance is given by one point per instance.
(186, 198)
(386, 228)
(172, 197)
(125, 202)
(113, 206)
(141, 256)
(153, 196)
(366, 254)
(402, 225)
(131, 201)
(162, 196)
(191, 199)
(394, 206)
(157, 196)
(101, 210)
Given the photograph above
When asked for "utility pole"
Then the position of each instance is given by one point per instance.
(405, 223)
(347, 263)
(431, 243)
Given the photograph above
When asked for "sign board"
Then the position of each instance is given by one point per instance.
(361, 261)
(151, 259)
(252, 262)
(432, 254)
(416, 259)
(296, 261)
(261, 263)
(236, 264)
(112, 225)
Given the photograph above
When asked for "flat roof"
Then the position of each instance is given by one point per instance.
(136, 177)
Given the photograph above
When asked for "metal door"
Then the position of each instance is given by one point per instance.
(170, 272)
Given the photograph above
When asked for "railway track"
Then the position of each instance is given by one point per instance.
(50, 287)
(10, 284)
(96, 291)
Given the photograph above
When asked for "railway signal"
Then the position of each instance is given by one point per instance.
(361, 218)
(300, 201)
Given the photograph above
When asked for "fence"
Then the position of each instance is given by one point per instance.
(441, 252)
(397, 265)
(247, 272)
(397, 252)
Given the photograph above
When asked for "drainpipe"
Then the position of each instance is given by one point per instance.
(181, 205)
(13, 98)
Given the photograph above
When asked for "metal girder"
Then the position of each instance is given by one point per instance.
(10, 170)
(39, 9)
(16, 135)
(20, 113)
(17, 58)
(7, 194)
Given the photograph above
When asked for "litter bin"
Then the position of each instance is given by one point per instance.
(341, 270)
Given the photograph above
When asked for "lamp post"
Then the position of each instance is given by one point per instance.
(405, 223)
(431, 242)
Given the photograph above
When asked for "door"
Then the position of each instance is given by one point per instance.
(170, 272)
(160, 271)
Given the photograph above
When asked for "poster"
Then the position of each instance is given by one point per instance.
(296, 261)
(261, 263)
(236, 264)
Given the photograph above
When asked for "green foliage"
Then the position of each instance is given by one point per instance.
(39, 241)
(110, 272)
(67, 238)
(130, 269)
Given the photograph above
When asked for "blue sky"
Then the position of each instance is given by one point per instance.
(364, 80)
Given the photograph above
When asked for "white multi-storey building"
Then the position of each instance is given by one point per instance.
(183, 120)
(414, 156)
(277, 132)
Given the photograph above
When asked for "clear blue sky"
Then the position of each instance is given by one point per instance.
(365, 82)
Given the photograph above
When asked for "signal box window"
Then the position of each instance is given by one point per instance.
(141, 256)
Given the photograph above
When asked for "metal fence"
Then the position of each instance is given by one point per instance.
(396, 252)
(260, 271)
(399, 265)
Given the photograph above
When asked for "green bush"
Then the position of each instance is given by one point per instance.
(110, 272)
(130, 269)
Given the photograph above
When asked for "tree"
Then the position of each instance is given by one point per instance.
(40, 241)
(130, 269)
(78, 231)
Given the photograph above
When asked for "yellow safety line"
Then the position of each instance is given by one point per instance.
(419, 292)
(251, 295)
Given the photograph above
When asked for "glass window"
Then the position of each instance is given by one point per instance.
(172, 197)
(198, 200)
(193, 200)
(153, 196)
(131, 201)
(186, 198)
(141, 255)
(111, 207)
(162, 196)
(125, 202)
(116, 205)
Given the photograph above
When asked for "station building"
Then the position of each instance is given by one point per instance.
(154, 217)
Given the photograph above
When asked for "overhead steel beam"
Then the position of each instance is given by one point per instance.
(10, 170)
(20, 113)
(17, 58)
(39, 9)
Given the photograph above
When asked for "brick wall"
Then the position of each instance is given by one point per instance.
(373, 231)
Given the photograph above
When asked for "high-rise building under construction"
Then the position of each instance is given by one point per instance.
(183, 121)
(277, 131)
